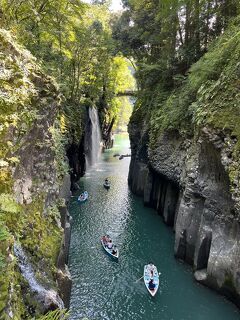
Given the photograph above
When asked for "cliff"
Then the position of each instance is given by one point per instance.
(34, 187)
(185, 163)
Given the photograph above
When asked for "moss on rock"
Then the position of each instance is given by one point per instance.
(208, 97)
(32, 165)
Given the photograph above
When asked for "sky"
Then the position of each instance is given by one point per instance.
(115, 6)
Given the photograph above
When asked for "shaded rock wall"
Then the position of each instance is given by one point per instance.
(77, 163)
(64, 279)
(187, 182)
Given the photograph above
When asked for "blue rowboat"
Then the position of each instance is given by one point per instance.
(151, 275)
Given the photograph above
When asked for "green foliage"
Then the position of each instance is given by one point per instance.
(120, 79)
(170, 35)
(74, 118)
(25, 97)
(217, 84)
(74, 42)
(17, 92)
(176, 35)
(60, 141)
(4, 233)
(6, 265)
(45, 226)
(55, 315)
(124, 112)
(2, 258)
(8, 204)
(209, 94)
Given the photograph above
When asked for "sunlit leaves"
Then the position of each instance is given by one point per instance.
(120, 77)
(8, 204)
(55, 315)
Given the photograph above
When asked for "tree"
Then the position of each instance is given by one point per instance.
(166, 37)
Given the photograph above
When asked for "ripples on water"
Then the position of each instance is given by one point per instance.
(107, 290)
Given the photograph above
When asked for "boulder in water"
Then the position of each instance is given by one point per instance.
(52, 300)
(201, 275)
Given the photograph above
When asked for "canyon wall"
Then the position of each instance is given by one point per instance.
(34, 188)
(187, 182)
(185, 164)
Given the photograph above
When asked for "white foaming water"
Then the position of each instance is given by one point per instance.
(27, 271)
(93, 138)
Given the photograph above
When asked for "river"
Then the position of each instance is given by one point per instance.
(107, 290)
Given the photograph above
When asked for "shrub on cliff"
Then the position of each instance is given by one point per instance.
(209, 95)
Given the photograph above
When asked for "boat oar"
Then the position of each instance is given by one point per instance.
(143, 276)
(139, 279)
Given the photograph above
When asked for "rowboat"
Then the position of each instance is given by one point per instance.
(151, 274)
(83, 196)
(110, 252)
(106, 185)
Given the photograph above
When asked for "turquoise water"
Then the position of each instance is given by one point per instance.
(107, 290)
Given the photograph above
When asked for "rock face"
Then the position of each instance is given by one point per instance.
(76, 156)
(187, 182)
(46, 299)
(34, 187)
(64, 279)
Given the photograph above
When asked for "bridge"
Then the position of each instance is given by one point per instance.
(128, 93)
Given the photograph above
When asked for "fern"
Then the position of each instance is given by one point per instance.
(8, 204)
(55, 315)
(2, 261)
(4, 234)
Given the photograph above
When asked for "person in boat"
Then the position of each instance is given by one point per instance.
(110, 244)
(81, 196)
(106, 181)
(114, 250)
(104, 239)
(151, 267)
(151, 284)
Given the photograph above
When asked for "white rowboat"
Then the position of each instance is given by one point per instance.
(150, 272)
(109, 251)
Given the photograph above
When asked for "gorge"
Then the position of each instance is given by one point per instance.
(66, 69)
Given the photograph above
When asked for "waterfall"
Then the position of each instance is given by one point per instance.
(92, 138)
(47, 297)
